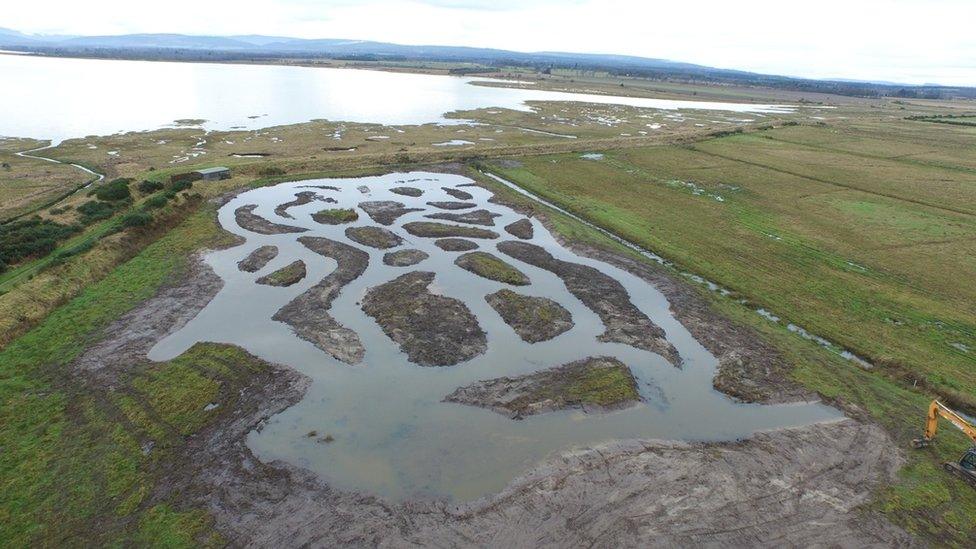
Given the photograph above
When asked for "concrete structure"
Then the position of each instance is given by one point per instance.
(213, 174)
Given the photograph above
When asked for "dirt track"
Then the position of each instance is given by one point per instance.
(793, 487)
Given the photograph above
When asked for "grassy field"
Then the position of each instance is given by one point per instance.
(73, 465)
(873, 252)
(27, 184)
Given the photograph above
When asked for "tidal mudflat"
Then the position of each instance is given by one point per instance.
(375, 416)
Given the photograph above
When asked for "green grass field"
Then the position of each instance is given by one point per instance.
(876, 254)
(27, 184)
(73, 465)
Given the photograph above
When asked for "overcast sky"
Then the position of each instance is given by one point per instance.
(915, 41)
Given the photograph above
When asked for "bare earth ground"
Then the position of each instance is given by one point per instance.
(793, 487)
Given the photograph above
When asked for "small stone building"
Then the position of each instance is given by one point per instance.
(214, 174)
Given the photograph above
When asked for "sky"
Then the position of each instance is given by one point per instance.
(910, 41)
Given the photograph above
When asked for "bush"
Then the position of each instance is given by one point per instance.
(94, 210)
(113, 191)
(136, 219)
(181, 185)
(154, 202)
(149, 187)
(32, 237)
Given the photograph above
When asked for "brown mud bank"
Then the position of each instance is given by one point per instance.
(308, 313)
(256, 260)
(534, 319)
(251, 221)
(604, 295)
(385, 212)
(432, 329)
(477, 217)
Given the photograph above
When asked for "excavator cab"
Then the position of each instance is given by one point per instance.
(965, 468)
(968, 461)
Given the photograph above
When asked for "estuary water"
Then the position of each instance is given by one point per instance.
(391, 433)
(60, 98)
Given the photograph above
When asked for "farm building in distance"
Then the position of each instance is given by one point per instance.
(213, 174)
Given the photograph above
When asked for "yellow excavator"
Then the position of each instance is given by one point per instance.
(966, 467)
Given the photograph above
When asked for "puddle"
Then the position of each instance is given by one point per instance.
(453, 143)
(389, 433)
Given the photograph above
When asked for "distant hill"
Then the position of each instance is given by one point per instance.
(181, 47)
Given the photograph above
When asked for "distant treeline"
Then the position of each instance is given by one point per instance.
(489, 60)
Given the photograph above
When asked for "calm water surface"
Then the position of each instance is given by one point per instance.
(393, 435)
(58, 98)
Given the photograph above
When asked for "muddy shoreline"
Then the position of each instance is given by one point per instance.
(804, 486)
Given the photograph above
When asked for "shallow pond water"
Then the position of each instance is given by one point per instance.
(57, 98)
(391, 433)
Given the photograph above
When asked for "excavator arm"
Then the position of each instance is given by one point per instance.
(966, 467)
(936, 410)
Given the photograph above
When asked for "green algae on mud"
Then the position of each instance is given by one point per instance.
(491, 267)
(441, 230)
(335, 216)
(594, 382)
(288, 275)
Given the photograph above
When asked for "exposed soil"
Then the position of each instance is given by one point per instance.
(458, 193)
(440, 230)
(404, 258)
(452, 205)
(534, 319)
(301, 199)
(604, 295)
(132, 335)
(290, 274)
(308, 313)
(376, 237)
(520, 229)
(488, 266)
(247, 219)
(385, 212)
(456, 245)
(335, 216)
(433, 330)
(477, 217)
(256, 260)
(594, 383)
(407, 191)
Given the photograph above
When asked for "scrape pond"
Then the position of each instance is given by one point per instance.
(386, 342)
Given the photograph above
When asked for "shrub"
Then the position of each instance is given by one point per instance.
(113, 191)
(148, 187)
(180, 185)
(32, 237)
(94, 210)
(136, 219)
(154, 202)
